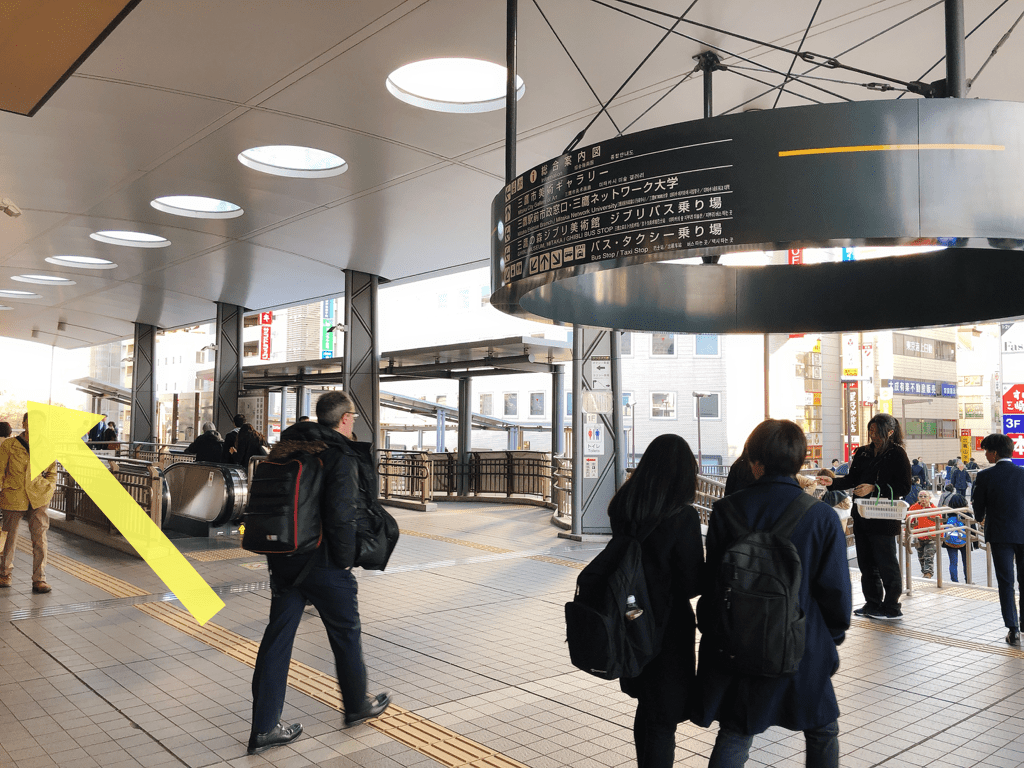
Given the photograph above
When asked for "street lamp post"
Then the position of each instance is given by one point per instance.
(700, 454)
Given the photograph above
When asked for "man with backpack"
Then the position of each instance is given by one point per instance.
(323, 576)
(776, 602)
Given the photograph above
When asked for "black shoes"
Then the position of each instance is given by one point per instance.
(860, 611)
(1013, 637)
(374, 707)
(275, 738)
(884, 614)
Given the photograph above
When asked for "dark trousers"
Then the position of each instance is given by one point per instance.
(333, 592)
(732, 747)
(879, 570)
(655, 741)
(1003, 556)
(955, 554)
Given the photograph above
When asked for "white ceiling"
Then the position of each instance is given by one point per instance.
(167, 102)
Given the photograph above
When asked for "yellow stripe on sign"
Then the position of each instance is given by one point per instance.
(55, 434)
(888, 148)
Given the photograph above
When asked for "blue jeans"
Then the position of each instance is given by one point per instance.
(956, 554)
(333, 592)
(732, 747)
(1003, 556)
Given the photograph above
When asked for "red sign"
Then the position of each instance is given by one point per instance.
(965, 433)
(266, 318)
(1013, 400)
(849, 450)
(1018, 448)
(977, 442)
(265, 342)
(796, 255)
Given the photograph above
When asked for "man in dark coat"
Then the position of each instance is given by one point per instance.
(999, 505)
(960, 478)
(231, 438)
(209, 446)
(324, 578)
(743, 705)
(918, 470)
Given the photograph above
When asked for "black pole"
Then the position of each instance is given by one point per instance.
(708, 62)
(511, 26)
(956, 67)
(708, 112)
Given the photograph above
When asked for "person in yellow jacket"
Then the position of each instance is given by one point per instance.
(22, 496)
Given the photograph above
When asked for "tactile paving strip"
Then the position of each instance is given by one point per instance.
(418, 733)
(894, 629)
(212, 555)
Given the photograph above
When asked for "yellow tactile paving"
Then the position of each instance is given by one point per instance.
(896, 629)
(460, 542)
(418, 733)
(212, 555)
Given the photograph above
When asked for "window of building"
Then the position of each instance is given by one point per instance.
(663, 405)
(442, 400)
(251, 349)
(663, 345)
(974, 411)
(706, 345)
(536, 403)
(568, 404)
(487, 404)
(627, 398)
(708, 407)
(250, 320)
(948, 428)
(511, 404)
(946, 350)
(812, 385)
(626, 344)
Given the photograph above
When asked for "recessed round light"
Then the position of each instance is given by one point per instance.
(81, 262)
(11, 294)
(130, 239)
(43, 279)
(197, 207)
(452, 85)
(297, 162)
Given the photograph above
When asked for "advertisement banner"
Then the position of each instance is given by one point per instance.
(264, 342)
(266, 318)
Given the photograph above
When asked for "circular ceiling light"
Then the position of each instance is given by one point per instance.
(452, 85)
(197, 207)
(43, 279)
(81, 262)
(131, 239)
(297, 162)
(19, 294)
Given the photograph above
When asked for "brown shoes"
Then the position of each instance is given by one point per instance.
(5, 582)
(40, 587)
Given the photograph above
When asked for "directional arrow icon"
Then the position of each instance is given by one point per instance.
(55, 434)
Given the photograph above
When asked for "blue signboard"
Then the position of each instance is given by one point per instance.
(927, 388)
(1013, 425)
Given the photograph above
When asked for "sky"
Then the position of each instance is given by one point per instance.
(30, 371)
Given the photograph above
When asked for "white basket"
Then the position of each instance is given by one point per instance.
(882, 509)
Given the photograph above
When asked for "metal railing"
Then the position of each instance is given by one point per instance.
(561, 485)
(406, 475)
(427, 476)
(143, 481)
(161, 454)
(709, 490)
(935, 533)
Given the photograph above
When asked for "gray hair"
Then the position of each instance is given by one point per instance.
(209, 426)
(332, 406)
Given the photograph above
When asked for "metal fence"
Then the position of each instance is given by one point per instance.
(967, 524)
(405, 474)
(143, 481)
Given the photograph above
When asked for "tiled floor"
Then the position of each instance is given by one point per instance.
(466, 629)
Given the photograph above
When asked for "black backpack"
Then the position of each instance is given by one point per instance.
(602, 639)
(283, 514)
(757, 623)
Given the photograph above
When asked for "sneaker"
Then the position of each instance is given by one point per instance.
(928, 574)
(40, 587)
(275, 738)
(5, 582)
(884, 614)
(374, 707)
(862, 611)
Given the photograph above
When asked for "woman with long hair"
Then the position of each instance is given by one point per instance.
(656, 506)
(880, 469)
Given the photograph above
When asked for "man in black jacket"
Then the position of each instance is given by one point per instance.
(327, 581)
(999, 504)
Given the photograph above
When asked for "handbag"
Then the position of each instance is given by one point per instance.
(376, 536)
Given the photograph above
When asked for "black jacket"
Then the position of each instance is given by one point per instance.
(207, 447)
(890, 472)
(341, 499)
(999, 502)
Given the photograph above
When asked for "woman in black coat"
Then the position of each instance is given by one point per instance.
(209, 446)
(881, 469)
(655, 504)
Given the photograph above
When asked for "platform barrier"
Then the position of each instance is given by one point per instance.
(143, 481)
(974, 536)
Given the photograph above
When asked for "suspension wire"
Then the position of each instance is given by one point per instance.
(564, 48)
(848, 50)
(661, 98)
(798, 48)
(812, 58)
(943, 58)
(774, 87)
(604, 107)
(995, 50)
(823, 79)
(724, 51)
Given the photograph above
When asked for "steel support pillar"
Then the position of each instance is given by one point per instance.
(598, 465)
(301, 401)
(511, 106)
(361, 368)
(439, 435)
(956, 66)
(143, 427)
(557, 411)
(227, 366)
(465, 434)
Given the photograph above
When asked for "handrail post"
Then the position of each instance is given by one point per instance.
(155, 496)
(509, 474)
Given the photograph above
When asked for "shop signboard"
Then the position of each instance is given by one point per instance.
(796, 255)
(326, 334)
(867, 364)
(1018, 449)
(1013, 400)
(1013, 425)
(264, 342)
(965, 448)
(266, 318)
(852, 408)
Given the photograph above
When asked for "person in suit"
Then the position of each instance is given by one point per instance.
(656, 503)
(743, 705)
(999, 506)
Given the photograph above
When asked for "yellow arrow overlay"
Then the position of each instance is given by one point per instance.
(55, 434)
